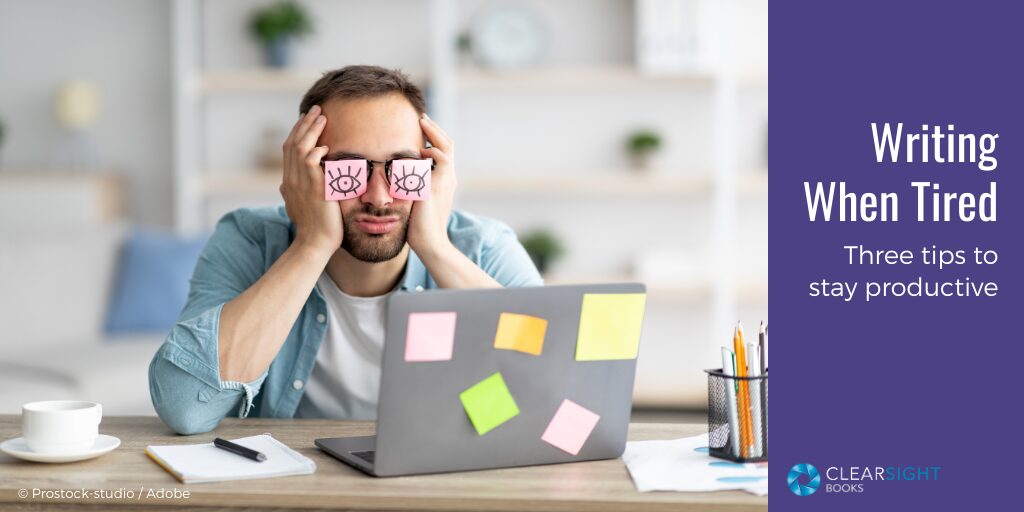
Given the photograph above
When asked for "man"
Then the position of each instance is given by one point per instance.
(286, 311)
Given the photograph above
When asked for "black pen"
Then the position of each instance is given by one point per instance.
(238, 449)
(764, 347)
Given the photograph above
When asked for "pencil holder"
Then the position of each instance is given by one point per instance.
(737, 417)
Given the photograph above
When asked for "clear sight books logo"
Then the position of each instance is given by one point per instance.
(805, 479)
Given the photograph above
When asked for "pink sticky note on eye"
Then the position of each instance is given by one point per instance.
(410, 179)
(344, 179)
(570, 427)
(430, 336)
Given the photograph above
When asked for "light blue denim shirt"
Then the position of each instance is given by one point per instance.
(184, 376)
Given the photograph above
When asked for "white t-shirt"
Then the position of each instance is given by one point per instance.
(345, 381)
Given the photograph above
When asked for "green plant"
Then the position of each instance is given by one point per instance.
(643, 142)
(543, 248)
(279, 20)
(464, 43)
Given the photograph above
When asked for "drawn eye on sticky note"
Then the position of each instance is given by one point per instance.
(430, 336)
(489, 403)
(524, 333)
(570, 427)
(410, 179)
(344, 179)
(610, 326)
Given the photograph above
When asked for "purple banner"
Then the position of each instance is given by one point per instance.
(896, 371)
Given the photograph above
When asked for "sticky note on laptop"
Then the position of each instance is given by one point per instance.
(489, 403)
(430, 336)
(610, 326)
(570, 427)
(524, 333)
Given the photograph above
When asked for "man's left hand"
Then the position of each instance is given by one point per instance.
(428, 222)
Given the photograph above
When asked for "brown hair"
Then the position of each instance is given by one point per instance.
(362, 82)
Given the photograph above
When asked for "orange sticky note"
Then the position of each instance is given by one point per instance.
(524, 333)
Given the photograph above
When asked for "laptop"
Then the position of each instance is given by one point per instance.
(429, 420)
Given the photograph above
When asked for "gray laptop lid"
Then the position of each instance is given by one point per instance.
(422, 426)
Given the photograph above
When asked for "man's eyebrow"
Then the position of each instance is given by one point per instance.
(405, 153)
(344, 155)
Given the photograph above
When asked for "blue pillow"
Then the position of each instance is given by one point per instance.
(152, 282)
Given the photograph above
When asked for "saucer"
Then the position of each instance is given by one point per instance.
(17, 447)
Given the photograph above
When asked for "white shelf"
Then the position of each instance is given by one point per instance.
(267, 80)
(753, 183)
(599, 77)
(55, 198)
(748, 290)
(240, 183)
(626, 183)
(754, 80)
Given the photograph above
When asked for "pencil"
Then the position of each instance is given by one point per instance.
(743, 399)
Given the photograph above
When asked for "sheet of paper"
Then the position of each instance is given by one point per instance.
(344, 179)
(524, 333)
(570, 427)
(410, 179)
(430, 336)
(489, 403)
(684, 465)
(610, 326)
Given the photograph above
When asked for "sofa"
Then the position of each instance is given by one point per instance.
(55, 288)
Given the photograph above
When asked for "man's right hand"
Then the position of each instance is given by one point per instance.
(317, 221)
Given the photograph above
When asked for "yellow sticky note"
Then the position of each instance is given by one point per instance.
(524, 333)
(610, 326)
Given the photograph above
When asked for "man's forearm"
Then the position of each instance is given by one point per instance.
(254, 325)
(452, 269)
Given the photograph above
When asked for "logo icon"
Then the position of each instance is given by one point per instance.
(803, 479)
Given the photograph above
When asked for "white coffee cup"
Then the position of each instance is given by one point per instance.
(60, 426)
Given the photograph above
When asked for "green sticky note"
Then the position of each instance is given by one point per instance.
(489, 404)
(610, 326)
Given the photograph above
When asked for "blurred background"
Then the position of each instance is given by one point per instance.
(622, 139)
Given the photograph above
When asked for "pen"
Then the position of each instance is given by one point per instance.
(743, 397)
(728, 363)
(755, 397)
(238, 449)
(762, 342)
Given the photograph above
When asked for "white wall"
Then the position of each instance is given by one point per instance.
(123, 46)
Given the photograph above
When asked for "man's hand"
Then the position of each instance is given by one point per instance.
(428, 222)
(318, 222)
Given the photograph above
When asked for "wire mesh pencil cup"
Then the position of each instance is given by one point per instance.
(733, 435)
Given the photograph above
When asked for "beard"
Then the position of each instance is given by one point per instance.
(374, 248)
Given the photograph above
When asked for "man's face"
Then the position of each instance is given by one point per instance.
(378, 129)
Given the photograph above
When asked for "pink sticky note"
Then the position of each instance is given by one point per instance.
(570, 427)
(344, 179)
(430, 336)
(410, 179)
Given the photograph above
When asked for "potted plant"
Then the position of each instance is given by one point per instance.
(641, 146)
(464, 47)
(276, 27)
(543, 248)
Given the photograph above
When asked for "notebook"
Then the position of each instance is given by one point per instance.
(199, 463)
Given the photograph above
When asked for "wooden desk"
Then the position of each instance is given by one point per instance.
(598, 485)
